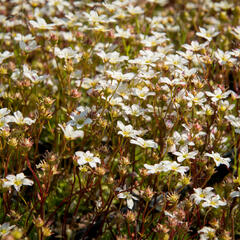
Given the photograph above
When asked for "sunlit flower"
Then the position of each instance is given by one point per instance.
(235, 193)
(17, 181)
(142, 93)
(183, 154)
(5, 229)
(80, 119)
(31, 46)
(218, 94)
(87, 157)
(157, 168)
(207, 34)
(128, 196)
(207, 233)
(195, 46)
(19, 119)
(144, 143)
(66, 53)
(122, 33)
(174, 166)
(236, 32)
(224, 57)
(127, 130)
(41, 24)
(94, 18)
(70, 133)
(218, 159)
(5, 55)
(214, 201)
(201, 194)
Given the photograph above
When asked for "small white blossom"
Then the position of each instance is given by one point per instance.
(144, 143)
(207, 34)
(19, 119)
(5, 55)
(218, 159)
(214, 201)
(5, 229)
(128, 196)
(70, 133)
(201, 194)
(31, 46)
(17, 181)
(235, 193)
(183, 154)
(127, 130)
(41, 24)
(207, 233)
(87, 157)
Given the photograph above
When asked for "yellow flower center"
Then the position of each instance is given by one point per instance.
(18, 182)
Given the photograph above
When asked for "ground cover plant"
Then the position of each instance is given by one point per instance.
(119, 119)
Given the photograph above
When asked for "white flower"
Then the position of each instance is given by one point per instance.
(135, 10)
(134, 110)
(32, 75)
(224, 57)
(225, 105)
(175, 60)
(30, 47)
(17, 181)
(152, 41)
(157, 168)
(207, 233)
(142, 93)
(112, 57)
(128, 196)
(195, 46)
(19, 119)
(87, 157)
(79, 119)
(5, 55)
(234, 121)
(235, 193)
(217, 94)
(66, 53)
(19, 37)
(198, 99)
(5, 229)
(120, 77)
(144, 143)
(4, 123)
(236, 32)
(218, 159)
(207, 34)
(4, 112)
(122, 33)
(214, 202)
(41, 24)
(184, 154)
(70, 133)
(127, 130)
(147, 58)
(94, 18)
(201, 194)
(206, 110)
(171, 83)
(174, 166)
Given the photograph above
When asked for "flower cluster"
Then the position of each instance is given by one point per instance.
(124, 114)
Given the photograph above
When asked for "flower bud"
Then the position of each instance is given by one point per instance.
(46, 231)
(13, 142)
(130, 216)
(38, 222)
